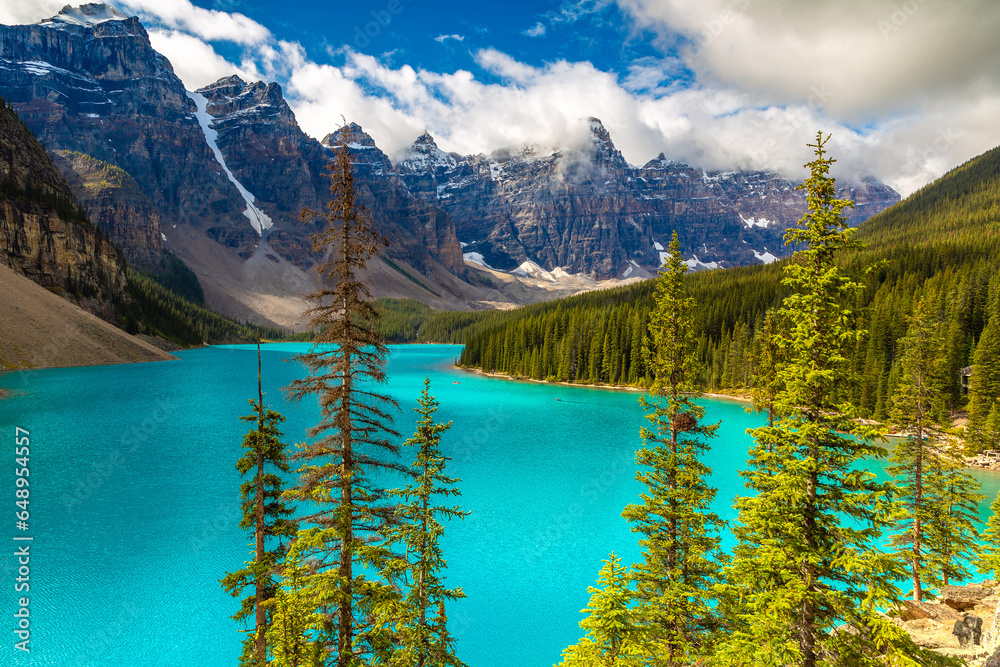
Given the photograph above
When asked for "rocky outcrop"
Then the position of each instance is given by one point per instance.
(89, 81)
(588, 211)
(44, 234)
(115, 203)
(960, 622)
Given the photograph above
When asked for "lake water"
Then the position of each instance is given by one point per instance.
(134, 502)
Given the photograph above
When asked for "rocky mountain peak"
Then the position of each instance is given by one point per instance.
(358, 137)
(603, 146)
(424, 156)
(425, 143)
(231, 100)
(86, 15)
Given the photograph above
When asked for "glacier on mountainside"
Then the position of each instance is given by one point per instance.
(257, 217)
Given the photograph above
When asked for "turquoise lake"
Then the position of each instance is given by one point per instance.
(134, 502)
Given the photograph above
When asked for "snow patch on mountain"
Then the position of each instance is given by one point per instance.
(752, 222)
(529, 269)
(475, 258)
(696, 264)
(86, 15)
(258, 219)
(765, 256)
(658, 247)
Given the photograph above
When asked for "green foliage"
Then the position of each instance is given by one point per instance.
(266, 517)
(420, 639)
(680, 535)
(989, 560)
(916, 409)
(984, 390)
(151, 308)
(951, 529)
(294, 620)
(614, 635)
(808, 559)
(179, 279)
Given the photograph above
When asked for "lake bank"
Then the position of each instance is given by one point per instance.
(613, 387)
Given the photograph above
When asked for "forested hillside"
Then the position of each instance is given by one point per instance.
(941, 244)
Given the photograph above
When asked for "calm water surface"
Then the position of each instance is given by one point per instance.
(134, 502)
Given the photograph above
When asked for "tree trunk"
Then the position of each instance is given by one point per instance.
(346, 630)
(918, 594)
(260, 617)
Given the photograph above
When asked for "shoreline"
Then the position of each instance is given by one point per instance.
(611, 387)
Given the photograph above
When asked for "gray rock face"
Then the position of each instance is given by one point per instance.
(969, 630)
(589, 211)
(42, 235)
(88, 81)
(94, 85)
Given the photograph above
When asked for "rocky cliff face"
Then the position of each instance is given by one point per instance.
(89, 81)
(285, 169)
(114, 202)
(588, 211)
(229, 164)
(44, 234)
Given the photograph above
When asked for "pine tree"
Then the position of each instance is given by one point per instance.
(807, 561)
(614, 636)
(420, 639)
(951, 539)
(266, 516)
(984, 389)
(767, 364)
(293, 618)
(917, 407)
(989, 560)
(680, 535)
(351, 443)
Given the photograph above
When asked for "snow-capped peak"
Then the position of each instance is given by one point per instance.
(87, 15)
(423, 155)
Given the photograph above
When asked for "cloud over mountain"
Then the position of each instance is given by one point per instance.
(908, 89)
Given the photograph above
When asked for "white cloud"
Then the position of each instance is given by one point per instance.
(19, 12)
(857, 59)
(208, 24)
(536, 30)
(195, 62)
(904, 103)
(443, 38)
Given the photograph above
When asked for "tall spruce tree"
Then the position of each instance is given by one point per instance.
(266, 516)
(918, 410)
(989, 559)
(614, 635)
(418, 620)
(353, 439)
(984, 390)
(680, 534)
(767, 364)
(951, 533)
(808, 560)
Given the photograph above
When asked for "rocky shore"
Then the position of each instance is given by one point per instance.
(948, 625)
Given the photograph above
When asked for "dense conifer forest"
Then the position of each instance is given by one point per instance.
(941, 245)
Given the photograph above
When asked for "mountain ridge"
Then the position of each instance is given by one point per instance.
(225, 163)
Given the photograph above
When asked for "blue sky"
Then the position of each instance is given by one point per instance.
(439, 36)
(908, 88)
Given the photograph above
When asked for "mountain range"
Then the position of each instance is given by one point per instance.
(219, 176)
